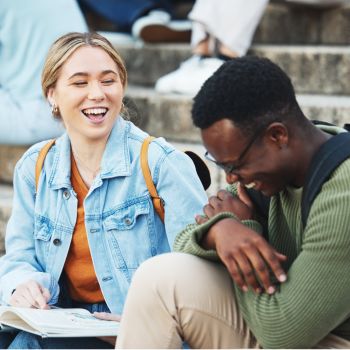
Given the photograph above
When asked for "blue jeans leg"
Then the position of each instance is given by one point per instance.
(26, 340)
(6, 339)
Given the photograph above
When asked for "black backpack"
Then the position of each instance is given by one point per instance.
(330, 155)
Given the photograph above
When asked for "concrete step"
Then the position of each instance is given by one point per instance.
(170, 115)
(284, 23)
(218, 177)
(6, 193)
(291, 24)
(9, 155)
(313, 69)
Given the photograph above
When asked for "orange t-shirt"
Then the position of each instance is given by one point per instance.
(81, 278)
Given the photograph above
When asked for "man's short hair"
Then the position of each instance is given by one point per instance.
(251, 91)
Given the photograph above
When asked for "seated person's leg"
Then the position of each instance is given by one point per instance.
(26, 122)
(25, 340)
(75, 343)
(176, 297)
(6, 339)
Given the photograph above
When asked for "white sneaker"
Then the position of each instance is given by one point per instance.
(189, 77)
(157, 27)
(119, 39)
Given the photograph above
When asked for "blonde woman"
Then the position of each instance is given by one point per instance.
(77, 238)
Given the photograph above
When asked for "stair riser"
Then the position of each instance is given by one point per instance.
(283, 24)
(170, 117)
(9, 155)
(312, 71)
(172, 120)
(5, 212)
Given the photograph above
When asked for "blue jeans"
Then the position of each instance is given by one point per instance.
(123, 13)
(25, 340)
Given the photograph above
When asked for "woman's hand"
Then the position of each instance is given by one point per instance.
(108, 317)
(30, 294)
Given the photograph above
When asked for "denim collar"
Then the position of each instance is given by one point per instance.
(115, 160)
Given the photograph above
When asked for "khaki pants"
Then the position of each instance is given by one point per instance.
(179, 296)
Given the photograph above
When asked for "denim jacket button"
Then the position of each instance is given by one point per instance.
(128, 221)
(57, 242)
(66, 194)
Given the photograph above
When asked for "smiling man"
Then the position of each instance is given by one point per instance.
(286, 288)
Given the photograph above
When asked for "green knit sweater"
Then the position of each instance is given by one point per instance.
(315, 299)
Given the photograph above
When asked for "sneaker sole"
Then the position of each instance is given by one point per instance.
(158, 33)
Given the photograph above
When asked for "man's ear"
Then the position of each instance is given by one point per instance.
(277, 133)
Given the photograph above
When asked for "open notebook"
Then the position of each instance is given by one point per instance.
(57, 322)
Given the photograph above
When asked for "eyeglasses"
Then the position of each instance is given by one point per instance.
(232, 167)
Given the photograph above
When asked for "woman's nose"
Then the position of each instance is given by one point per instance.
(95, 92)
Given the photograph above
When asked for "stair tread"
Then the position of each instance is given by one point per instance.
(318, 48)
(6, 195)
(305, 99)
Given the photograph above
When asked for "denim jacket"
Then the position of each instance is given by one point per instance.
(123, 229)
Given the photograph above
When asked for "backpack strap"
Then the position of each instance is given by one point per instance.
(330, 155)
(158, 202)
(40, 161)
(262, 207)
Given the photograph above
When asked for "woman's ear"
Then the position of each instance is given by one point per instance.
(50, 97)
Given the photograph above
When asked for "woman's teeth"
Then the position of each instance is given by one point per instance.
(95, 112)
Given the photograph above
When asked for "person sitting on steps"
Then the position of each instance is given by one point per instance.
(267, 279)
(220, 31)
(82, 224)
(26, 33)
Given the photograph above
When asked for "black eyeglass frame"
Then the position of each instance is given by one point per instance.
(230, 167)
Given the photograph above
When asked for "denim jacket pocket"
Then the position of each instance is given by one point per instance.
(43, 230)
(125, 218)
(130, 234)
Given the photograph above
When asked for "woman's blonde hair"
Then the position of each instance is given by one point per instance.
(64, 47)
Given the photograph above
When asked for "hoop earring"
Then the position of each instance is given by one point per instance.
(54, 110)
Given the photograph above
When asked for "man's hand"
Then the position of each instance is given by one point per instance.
(246, 255)
(30, 294)
(241, 205)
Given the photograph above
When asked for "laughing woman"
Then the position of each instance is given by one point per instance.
(76, 237)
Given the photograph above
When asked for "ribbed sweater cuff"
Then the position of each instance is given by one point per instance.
(202, 230)
(254, 225)
(199, 231)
